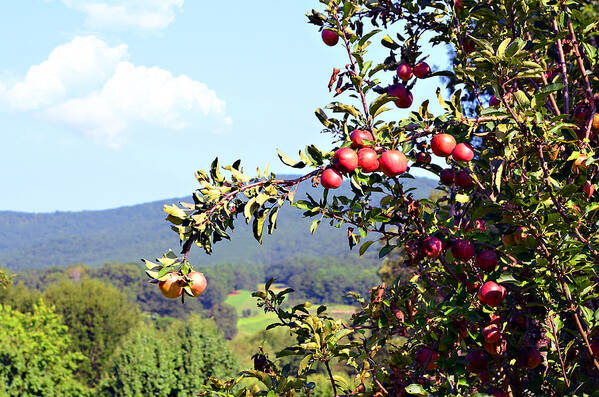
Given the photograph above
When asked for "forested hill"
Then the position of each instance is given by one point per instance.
(30, 240)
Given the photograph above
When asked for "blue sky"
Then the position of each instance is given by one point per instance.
(107, 103)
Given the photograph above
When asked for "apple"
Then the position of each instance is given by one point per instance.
(404, 97)
(492, 294)
(582, 112)
(423, 158)
(468, 45)
(595, 348)
(198, 283)
(494, 101)
(421, 70)
(443, 145)
(458, 4)
(595, 122)
(447, 176)
(359, 136)
(329, 37)
(530, 358)
(404, 71)
(368, 160)
(393, 163)
(491, 333)
(476, 361)
(463, 250)
(507, 240)
(425, 355)
(432, 247)
(331, 179)
(463, 152)
(463, 180)
(345, 160)
(171, 287)
(486, 260)
(518, 320)
(497, 392)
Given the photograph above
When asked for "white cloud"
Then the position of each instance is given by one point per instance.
(90, 87)
(118, 14)
(82, 64)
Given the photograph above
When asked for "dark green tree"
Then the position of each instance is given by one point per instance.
(98, 316)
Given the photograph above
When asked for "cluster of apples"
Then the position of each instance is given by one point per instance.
(346, 160)
(175, 283)
(445, 145)
(405, 72)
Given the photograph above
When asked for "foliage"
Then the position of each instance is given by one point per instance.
(225, 317)
(36, 356)
(457, 325)
(98, 315)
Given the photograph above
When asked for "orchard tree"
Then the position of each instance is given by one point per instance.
(503, 296)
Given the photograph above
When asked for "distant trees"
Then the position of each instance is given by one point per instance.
(36, 356)
(98, 315)
(173, 362)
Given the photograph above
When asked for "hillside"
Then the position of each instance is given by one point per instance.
(29, 240)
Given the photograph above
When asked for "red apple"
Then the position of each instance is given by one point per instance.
(443, 144)
(432, 247)
(425, 355)
(463, 152)
(491, 333)
(476, 361)
(345, 159)
(595, 348)
(463, 250)
(359, 136)
(329, 37)
(468, 44)
(368, 160)
(447, 176)
(423, 158)
(589, 189)
(497, 392)
(530, 358)
(393, 163)
(463, 180)
(171, 287)
(496, 348)
(492, 294)
(421, 70)
(486, 260)
(404, 97)
(582, 112)
(404, 71)
(331, 178)
(458, 4)
(494, 101)
(198, 283)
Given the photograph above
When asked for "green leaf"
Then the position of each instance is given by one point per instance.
(365, 246)
(389, 43)
(322, 117)
(314, 225)
(304, 364)
(385, 250)
(258, 226)
(502, 47)
(416, 389)
(287, 161)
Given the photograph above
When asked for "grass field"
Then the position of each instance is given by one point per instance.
(257, 321)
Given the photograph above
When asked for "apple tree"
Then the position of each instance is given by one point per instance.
(502, 297)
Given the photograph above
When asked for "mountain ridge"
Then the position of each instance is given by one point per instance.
(30, 240)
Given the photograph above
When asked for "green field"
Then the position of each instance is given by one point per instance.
(257, 321)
